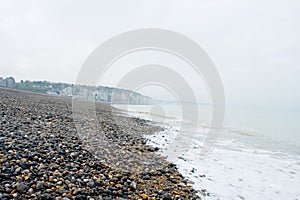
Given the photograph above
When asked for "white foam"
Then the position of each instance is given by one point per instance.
(233, 170)
(239, 173)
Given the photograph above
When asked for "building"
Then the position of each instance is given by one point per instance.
(2, 82)
(10, 82)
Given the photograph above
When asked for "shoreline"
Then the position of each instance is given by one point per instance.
(234, 169)
(42, 156)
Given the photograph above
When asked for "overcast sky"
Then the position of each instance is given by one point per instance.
(255, 45)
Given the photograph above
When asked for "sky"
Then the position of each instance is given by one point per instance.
(255, 45)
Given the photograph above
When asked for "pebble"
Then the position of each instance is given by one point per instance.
(167, 196)
(42, 156)
(22, 187)
(133, 185)
(181, 184)
(90, 184)
(39, 186)
(144, 196)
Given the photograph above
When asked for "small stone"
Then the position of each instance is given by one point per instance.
(85, 180)
(203, 192)
(79, 197)
(47, 196)
(147, 177)
(181, 184)
(167, 196)
(72, 154)
(133, 185)
(2, 158)
(22, 188)
(39, 185)
(111, 183)
(90, 184)
(25, 177)
(18, 169)
(75, 192)
(144, 196)
(172, 165)
(23, 165)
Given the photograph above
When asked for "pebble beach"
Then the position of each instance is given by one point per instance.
(42, 155)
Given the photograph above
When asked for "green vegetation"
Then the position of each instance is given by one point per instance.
(40, 86)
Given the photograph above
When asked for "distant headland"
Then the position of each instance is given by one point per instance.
(99, 93)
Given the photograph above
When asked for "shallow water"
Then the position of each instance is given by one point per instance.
(270, 128)
(246, 163)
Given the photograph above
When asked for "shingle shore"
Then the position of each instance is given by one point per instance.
(42, 156)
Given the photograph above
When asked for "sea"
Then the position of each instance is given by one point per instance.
(256, 156)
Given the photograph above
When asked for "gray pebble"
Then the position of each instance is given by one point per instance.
(22, 187)
(39, 186)
(133, 185)
(167, 196)
(90, 184)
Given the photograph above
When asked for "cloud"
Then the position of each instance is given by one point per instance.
(254, 44)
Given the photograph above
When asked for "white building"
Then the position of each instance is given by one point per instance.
(2, 83)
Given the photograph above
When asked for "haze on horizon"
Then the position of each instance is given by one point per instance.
(255, 45)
